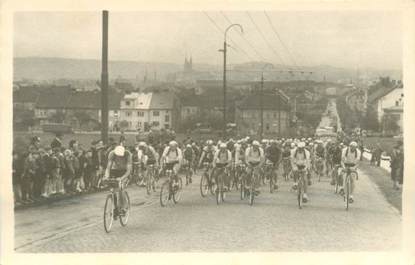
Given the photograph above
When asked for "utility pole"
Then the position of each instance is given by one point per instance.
(224, 88)
(261, 98)
(104, 78)
(224, 74)
(279, 112)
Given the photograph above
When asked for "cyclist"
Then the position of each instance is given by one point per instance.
(208, 153)
(336, 160)
(350, 155)
(172, 159)
(273, 154)
(147, 156)
(254, 157)
(301, 156)
(119, 166)
(221, 159)
(189, 156)
(319, 152)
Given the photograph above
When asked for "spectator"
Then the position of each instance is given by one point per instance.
(31, 169)
(69, 172)
(89, 170)
(40, 176)
(47, 167)
(397, 165)
(17, 169)
(74, 147)
(57, 164)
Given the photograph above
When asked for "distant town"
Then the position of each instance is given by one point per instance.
(189, 99)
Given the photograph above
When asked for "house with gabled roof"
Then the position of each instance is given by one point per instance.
(385, 97)
(276, 114)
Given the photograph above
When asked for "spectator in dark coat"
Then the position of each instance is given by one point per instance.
(397, 165)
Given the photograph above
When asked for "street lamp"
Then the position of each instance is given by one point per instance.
(261, 99)
(224, 73)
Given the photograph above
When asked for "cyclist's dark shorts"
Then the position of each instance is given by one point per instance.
(151, 162)
(254, 164)
(221, 165)
(117, 173)
(169, 166)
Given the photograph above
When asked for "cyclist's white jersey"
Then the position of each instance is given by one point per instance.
(170, 156)
(254, 155)
(222, 157)
(141, 157)
(300, 158)
(350, 157)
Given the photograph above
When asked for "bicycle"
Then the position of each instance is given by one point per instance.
(319, 167)
(189, 173)
(170, 190)
(301, 184)
(150, 180)
(286, 168)
(337, 177)
(348, 183)
(111, 209)
(137, 175)
(272, 175)
(254, 176)
(220, 191)
(206, 183)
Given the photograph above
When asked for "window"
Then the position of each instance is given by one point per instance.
(115, 112)
(156, 123)
(166, 126)
(267, 127)
(397, 103)
(275, 115)
(128, 113)
(140, 114)
(188, 111)
(156, 113)
(127, 103)
(139, 124)
(167, 118)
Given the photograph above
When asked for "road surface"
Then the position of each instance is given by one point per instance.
(274, 223)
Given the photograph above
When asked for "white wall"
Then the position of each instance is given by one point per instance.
(388, 101)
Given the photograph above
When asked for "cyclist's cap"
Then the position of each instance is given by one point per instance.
(173, 143)
(255, 143)
(353, 144)
(119, 150)
(301, 145)
(209, 142)
(142, 144)
(222, 145)
(188, 145)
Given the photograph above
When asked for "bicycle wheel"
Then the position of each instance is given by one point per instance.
(300, 195)
(149, 183)
(218, 191)
(165, 193)
(177, 193)
(252, 194)
(242, 187)
(108, 213)
(124, 217)
(204, 185)
(347, 192)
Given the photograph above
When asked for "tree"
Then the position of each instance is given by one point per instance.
(58, 116)
(82, 117)
(389, 124)
(123, 124)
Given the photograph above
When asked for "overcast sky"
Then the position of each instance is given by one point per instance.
(345, 39)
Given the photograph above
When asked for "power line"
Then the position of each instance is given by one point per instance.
(266, 41)
(247, 41)
(279, 38)
(233, 43)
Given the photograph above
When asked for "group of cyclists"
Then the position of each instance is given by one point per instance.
(327, 157)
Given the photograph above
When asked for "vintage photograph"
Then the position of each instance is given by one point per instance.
(208, 131)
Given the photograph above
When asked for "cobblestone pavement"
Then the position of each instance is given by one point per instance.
(273, 223)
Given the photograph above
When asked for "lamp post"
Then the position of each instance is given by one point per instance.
(261, 98)
(224, 73)
(104, 78)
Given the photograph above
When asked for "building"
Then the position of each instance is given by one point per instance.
(394, 114)
(385, 97)
(276, 114)
(145, 111)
